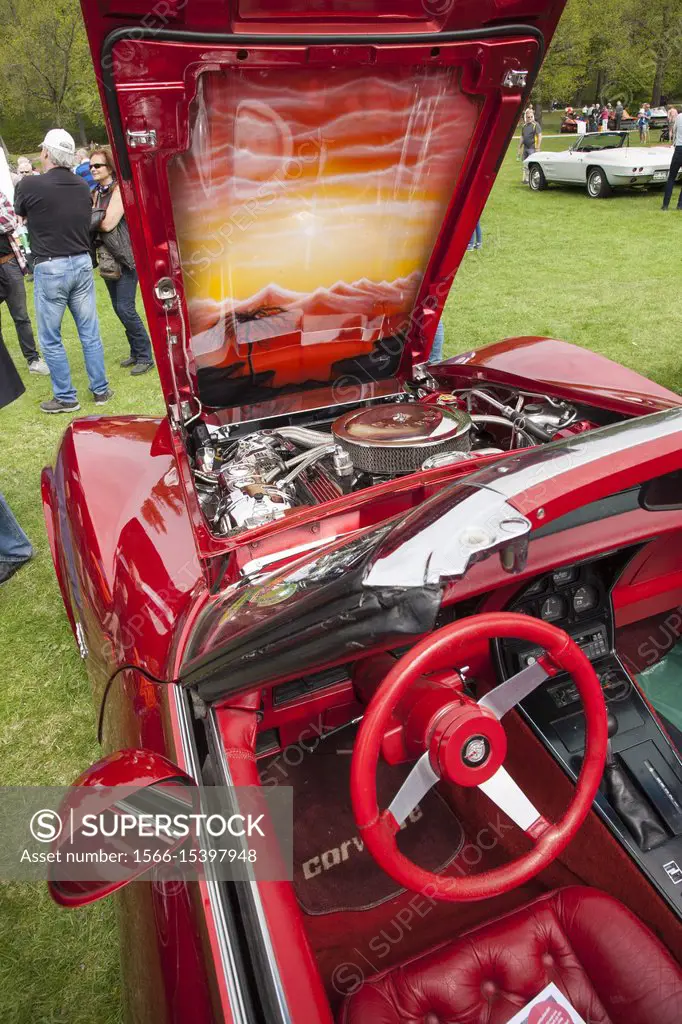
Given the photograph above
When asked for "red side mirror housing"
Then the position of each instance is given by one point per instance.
(131, 772)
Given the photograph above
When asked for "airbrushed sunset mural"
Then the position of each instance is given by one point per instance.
(306, 210)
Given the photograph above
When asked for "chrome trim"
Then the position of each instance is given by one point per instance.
(415, 787)
(141, 138)
(255, 566)
(467, 530)
(81, 641)
(472, 518)
(510, 798)
(508, 694)
(558, 457)
(251, 888)
(238, 1007)
(515, 79)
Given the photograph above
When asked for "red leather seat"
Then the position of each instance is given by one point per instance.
(599, 955)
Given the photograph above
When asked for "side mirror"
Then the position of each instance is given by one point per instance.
(116, 790)
(663, 493)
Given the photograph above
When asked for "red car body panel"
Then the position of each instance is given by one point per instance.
(135, 558)
(562, 370)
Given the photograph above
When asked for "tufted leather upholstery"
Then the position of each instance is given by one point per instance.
(599, 955)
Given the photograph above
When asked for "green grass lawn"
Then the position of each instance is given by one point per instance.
(603, 274)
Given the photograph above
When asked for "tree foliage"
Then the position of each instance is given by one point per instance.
(618, 49)
(46, 73)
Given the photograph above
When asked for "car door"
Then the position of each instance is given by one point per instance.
(573, 166)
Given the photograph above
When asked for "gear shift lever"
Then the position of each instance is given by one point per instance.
(625, 798)
(612, 727)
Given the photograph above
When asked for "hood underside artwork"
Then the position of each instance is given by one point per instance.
(306, 211)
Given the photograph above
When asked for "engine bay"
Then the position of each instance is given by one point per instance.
(248, 475)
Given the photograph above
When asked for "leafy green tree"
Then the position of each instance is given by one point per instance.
(46, 71)
(656, 29)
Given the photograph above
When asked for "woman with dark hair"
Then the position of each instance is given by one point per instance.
(115, 258)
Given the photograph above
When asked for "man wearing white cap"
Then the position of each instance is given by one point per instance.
(58, 208)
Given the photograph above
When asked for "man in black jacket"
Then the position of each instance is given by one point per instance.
(58, 209)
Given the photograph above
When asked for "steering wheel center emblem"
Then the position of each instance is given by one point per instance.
(475, 751)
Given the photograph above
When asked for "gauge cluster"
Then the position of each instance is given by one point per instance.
(565, 595)
(575, 598)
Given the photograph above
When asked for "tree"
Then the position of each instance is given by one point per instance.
(45, 66)
(657, 27)
(622, 49)
(566, 67)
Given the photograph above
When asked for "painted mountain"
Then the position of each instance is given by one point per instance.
(307, 207)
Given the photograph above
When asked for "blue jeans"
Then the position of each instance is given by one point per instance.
(476, 238)
(436, 353)
(61, 282)
(122, 293)
(675, 165)
(15, 547)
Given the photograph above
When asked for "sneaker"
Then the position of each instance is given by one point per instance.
(56, 405)
(103, 397)
(8, 569)
(139, 368)
(39, 366)
(130, 361)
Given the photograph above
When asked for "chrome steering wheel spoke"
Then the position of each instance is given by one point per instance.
(510, 693)
(510, 798)
(421, 779)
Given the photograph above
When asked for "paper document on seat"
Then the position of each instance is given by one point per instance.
(548, 1007)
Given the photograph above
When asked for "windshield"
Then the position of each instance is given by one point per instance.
(603, 140)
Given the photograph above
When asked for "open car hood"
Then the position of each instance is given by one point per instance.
(301, 185)
(384, 587)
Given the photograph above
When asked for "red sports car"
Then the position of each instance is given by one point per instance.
(441, 603)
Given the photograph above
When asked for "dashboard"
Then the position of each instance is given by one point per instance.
(578, 599)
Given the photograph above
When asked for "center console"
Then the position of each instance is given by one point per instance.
(641, 794)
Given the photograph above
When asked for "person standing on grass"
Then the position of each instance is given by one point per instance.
(436, 353)
(12, 290)
(531, 137)
(643, 119)
(82, 168)
(15, 547)
(604, 117)
(675, 165)
(618, 115)
(116, 262)
(476, 240)
(58, 209)
(672, 117)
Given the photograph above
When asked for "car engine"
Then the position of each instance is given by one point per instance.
(259, 476)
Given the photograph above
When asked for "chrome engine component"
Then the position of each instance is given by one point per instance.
(551, 417)
(390, 440)
(539, 420)
(252, 506)
(451, 458)
(245, 482)
(248, 498)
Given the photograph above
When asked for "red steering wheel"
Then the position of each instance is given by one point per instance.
(464, 742)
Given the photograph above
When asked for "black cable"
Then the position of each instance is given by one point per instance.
(122, 668)
(215, 587)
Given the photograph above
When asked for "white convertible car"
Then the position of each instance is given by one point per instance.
(600, 161)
